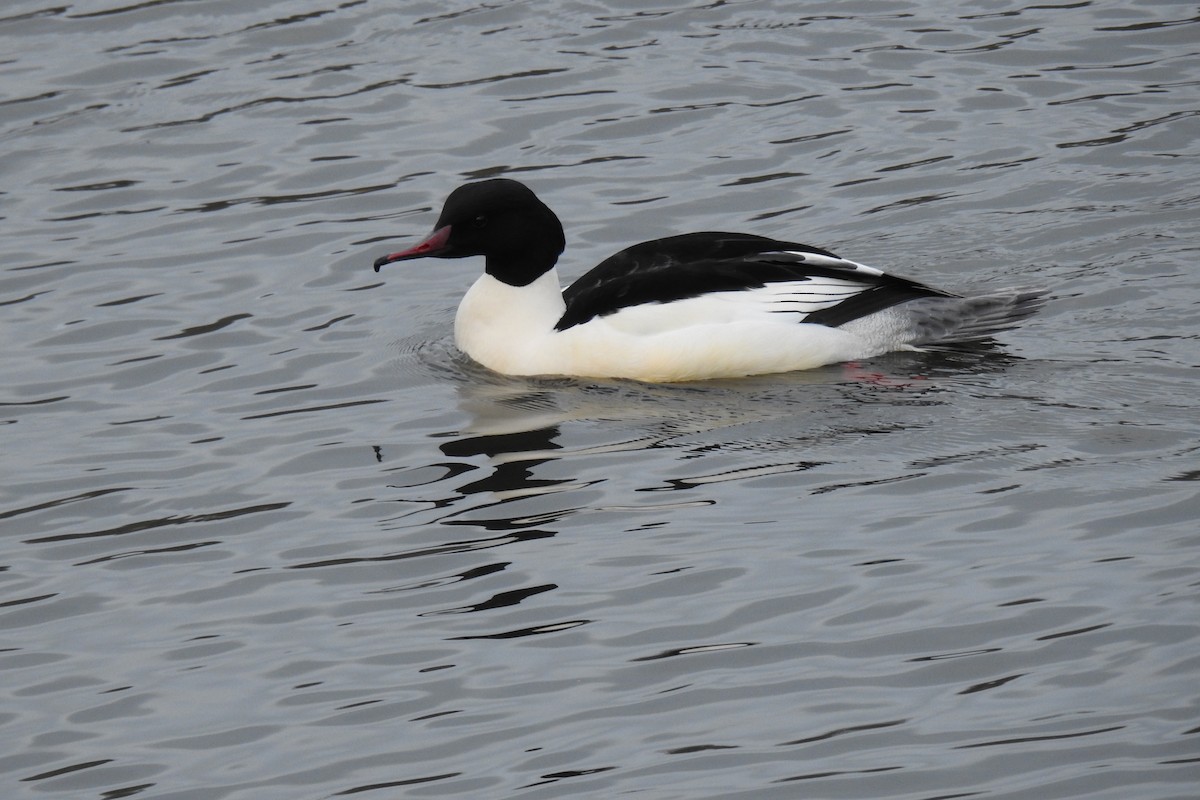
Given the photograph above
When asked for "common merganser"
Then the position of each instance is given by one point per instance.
(683, 308)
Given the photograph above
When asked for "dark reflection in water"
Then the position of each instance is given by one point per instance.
(522, 452)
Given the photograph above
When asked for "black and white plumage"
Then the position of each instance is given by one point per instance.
(689, 307)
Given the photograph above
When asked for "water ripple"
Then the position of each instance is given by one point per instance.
(254, 496)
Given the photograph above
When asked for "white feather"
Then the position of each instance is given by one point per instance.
(833, 261)
(727, 334)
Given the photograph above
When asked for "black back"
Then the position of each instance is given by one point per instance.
(695, 264)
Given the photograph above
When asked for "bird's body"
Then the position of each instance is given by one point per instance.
(690, 307)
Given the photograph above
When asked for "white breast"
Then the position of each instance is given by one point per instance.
(504, 327)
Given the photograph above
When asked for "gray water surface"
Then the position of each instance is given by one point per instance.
(264, 533)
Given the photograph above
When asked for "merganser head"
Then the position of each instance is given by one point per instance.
(499, 219)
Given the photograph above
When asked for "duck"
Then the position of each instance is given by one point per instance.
(689, 307)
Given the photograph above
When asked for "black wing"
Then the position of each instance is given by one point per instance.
(695, 264)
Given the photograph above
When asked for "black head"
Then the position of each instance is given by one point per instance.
(499, 219)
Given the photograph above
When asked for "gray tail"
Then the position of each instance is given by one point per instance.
(967, 320)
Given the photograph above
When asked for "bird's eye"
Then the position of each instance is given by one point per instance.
(480, 222)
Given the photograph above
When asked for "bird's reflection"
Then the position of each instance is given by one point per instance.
(513, 456)
(513, 427)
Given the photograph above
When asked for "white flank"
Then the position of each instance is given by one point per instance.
(727, 334)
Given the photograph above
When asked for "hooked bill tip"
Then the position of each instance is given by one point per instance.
(431, 245)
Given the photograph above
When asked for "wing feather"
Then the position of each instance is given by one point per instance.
(773, 276)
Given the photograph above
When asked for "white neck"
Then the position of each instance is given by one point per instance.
(502, 326)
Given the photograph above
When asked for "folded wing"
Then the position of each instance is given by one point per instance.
(756, 273)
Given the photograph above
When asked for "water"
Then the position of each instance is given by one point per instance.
(265, 534)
